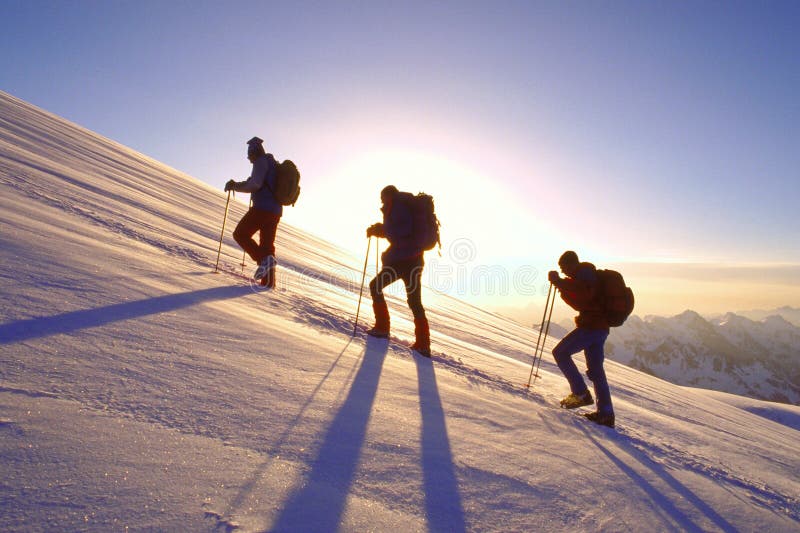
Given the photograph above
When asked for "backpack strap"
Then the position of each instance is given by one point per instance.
(274, 171)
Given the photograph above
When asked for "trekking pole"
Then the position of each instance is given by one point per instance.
(243, 251)
(539, 341)
(546, 332)
(222, 233)
(361, 290)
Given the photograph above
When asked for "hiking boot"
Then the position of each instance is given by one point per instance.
(603, 419)
(424, 351)
(378, 332)
(266, 265)
(268, 280)
(422, 344)
(574, 401)
(381, 327)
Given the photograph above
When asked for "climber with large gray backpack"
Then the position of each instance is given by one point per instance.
(411, 227)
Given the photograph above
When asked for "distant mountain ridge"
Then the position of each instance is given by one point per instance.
(732, 353)
(790, 314)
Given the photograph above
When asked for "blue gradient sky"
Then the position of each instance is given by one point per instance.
(636, 133)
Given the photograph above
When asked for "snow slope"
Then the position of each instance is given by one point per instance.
(139, 390)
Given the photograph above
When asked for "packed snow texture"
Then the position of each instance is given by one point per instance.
(140, 390)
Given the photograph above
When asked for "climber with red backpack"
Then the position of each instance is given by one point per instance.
(411, 227)
(602, 300)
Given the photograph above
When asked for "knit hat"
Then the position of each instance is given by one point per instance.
(389, 190)
(568, 258)
(254, 146)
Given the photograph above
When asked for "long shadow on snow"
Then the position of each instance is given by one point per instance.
(276, 449)
(442, 500)
(33, 328)
(332, 472)
(684, 522)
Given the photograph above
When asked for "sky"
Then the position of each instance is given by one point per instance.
(658, 138)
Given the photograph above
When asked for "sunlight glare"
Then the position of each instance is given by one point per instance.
(485, 231)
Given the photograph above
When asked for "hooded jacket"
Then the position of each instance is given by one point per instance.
(261, 183)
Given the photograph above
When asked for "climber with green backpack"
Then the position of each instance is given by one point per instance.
(271, 186)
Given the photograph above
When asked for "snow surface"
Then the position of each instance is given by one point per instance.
(141, 391)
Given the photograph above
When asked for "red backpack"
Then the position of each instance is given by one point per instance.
(616, 297)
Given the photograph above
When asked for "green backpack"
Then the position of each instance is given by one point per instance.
(287, 183)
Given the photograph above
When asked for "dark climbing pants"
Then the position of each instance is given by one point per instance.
(591, 341)
(410, 271)
(262, 221)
